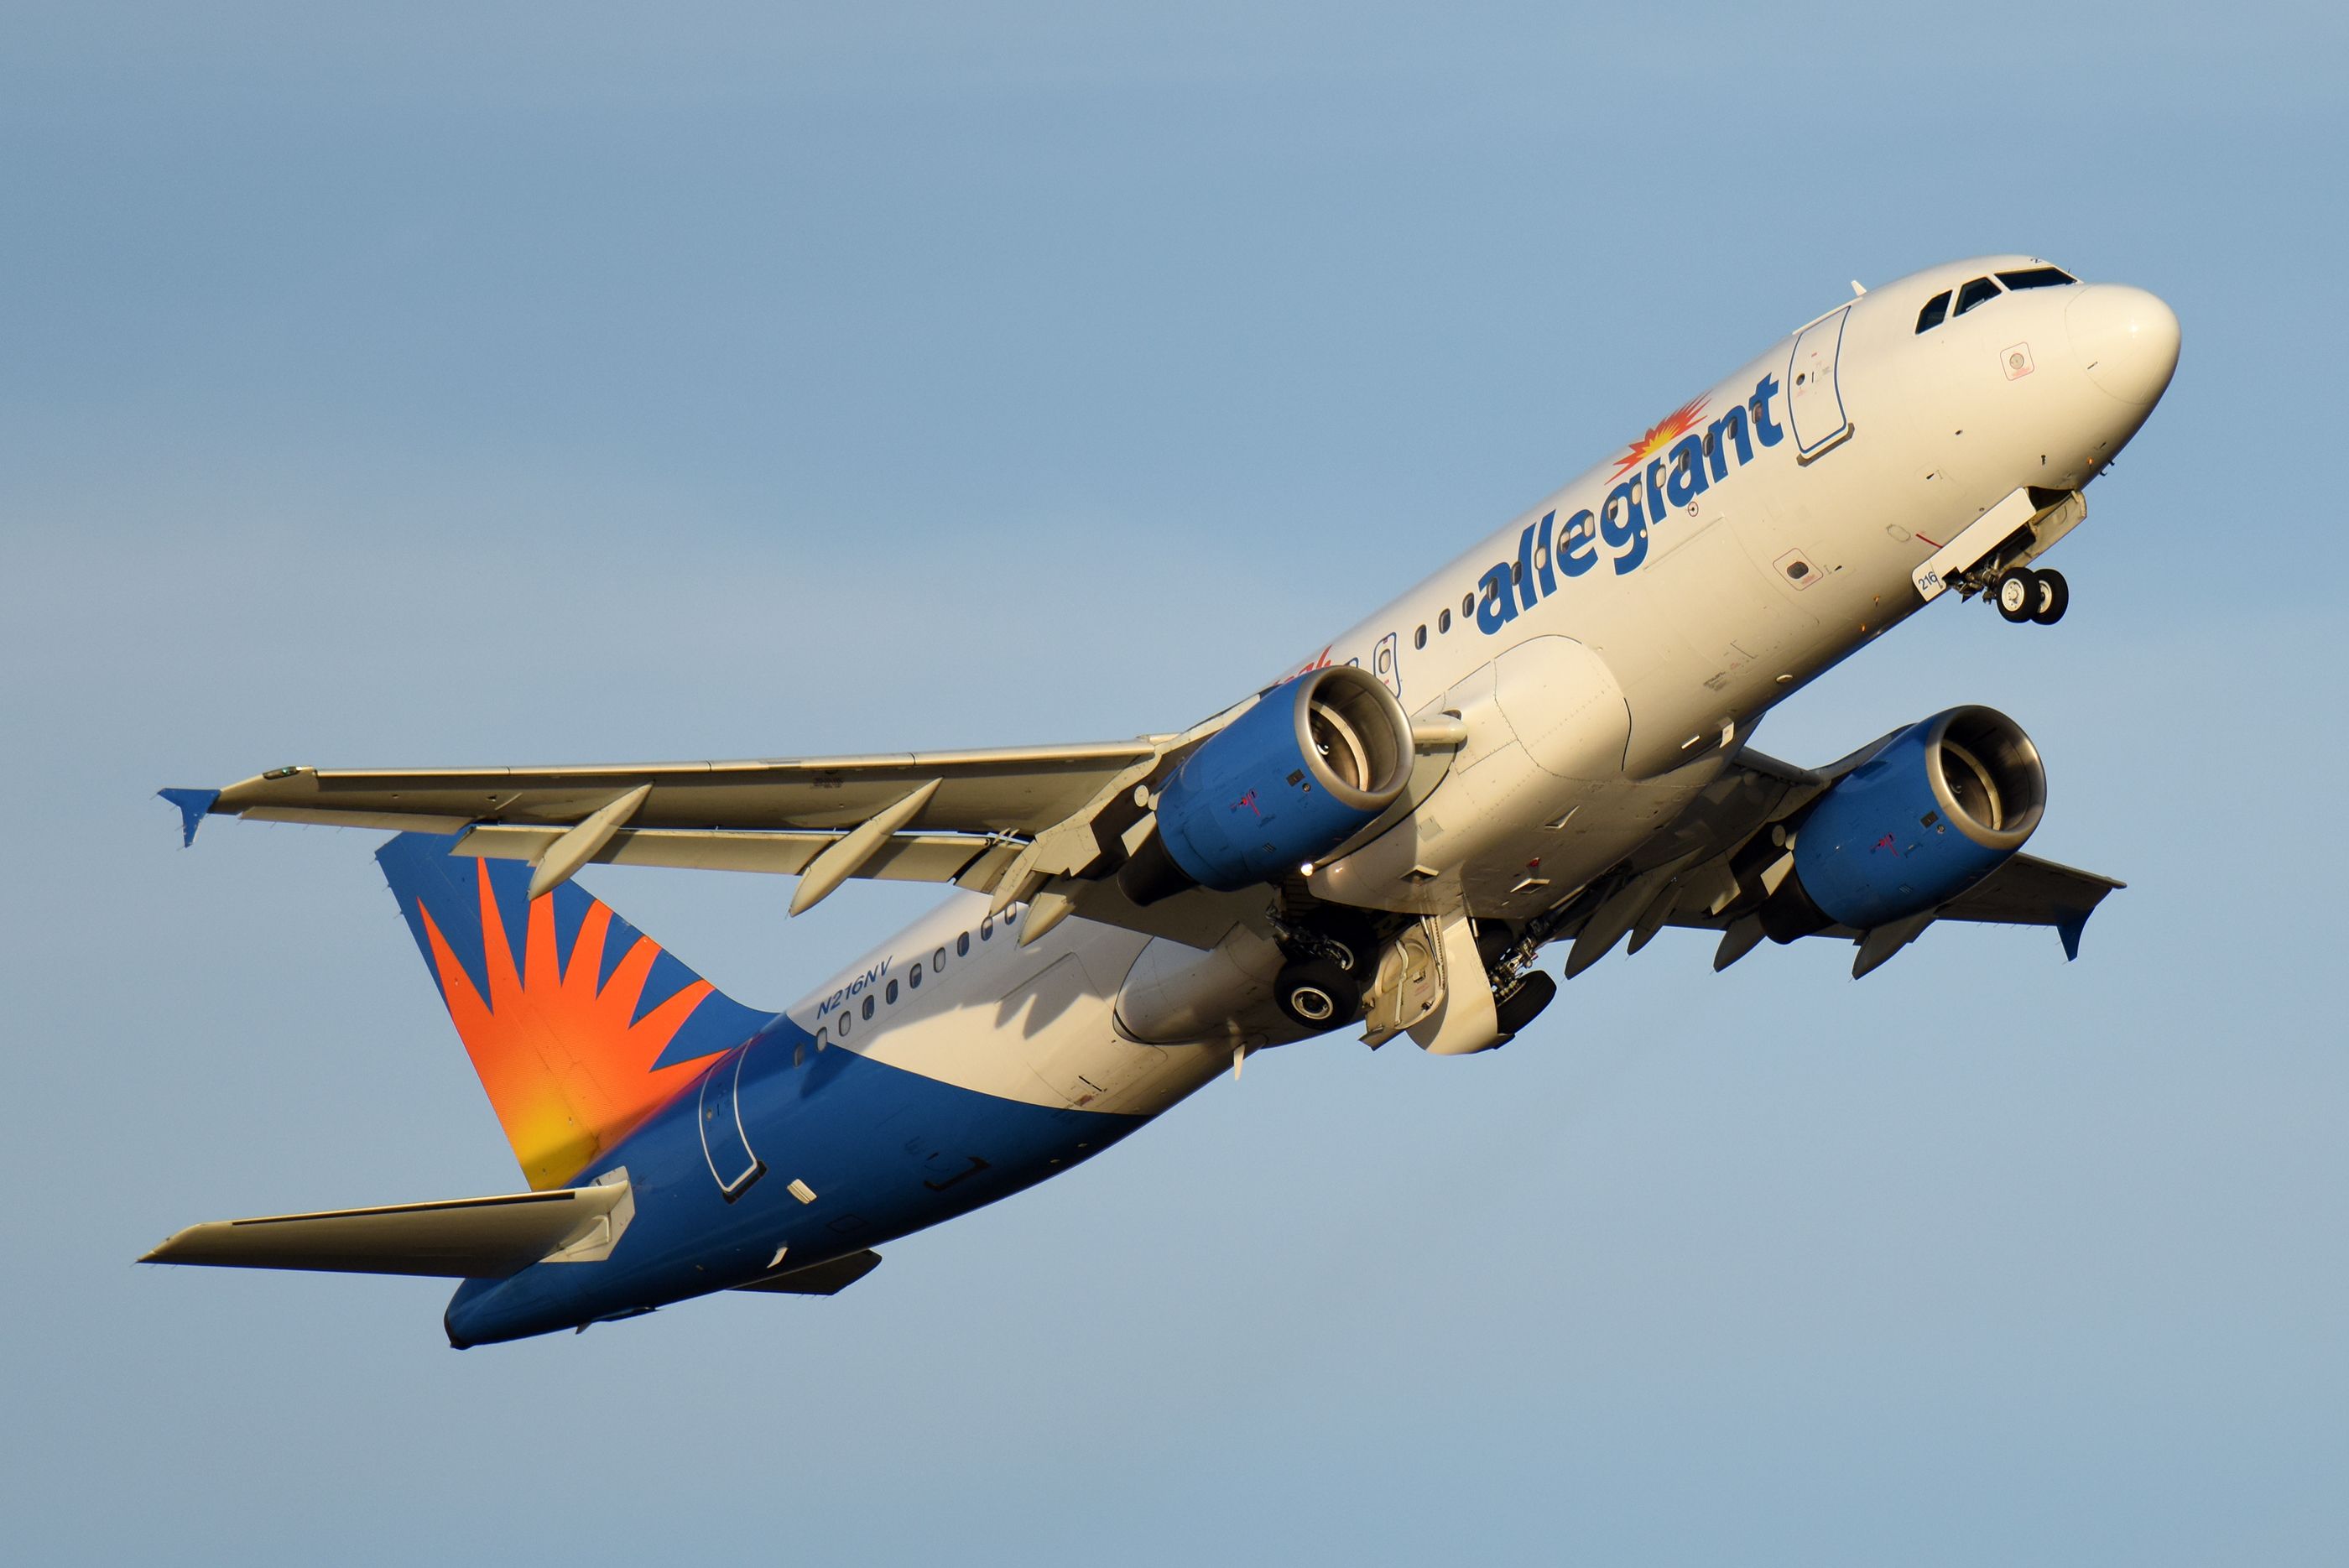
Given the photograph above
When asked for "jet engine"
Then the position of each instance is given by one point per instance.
(1311, 764)
(1940, 806)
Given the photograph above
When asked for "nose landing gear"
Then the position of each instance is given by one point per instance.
(2022, 594)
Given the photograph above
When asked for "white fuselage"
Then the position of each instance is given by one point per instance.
(1606, 658)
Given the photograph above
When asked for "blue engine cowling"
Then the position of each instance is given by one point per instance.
(1939, 807)
(1311, 764)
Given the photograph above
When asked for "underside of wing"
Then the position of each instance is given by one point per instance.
(1721, 866)
(2025, 891)
(1177, 835)
(971, 817)
(1018, 790)
(1018, 822)
(1198, 916)
(2028, 891)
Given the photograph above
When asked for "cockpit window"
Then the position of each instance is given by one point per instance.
(2037, 277)
(1975, 293)
(1936, 310)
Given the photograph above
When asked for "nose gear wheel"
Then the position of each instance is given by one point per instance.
(2022, 595)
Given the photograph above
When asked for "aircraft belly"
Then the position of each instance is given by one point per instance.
(856, 1152)
(1040, 1028)
(1179, 994)
(1067, 1034)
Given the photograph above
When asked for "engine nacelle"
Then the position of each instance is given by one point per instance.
(1941, 806)
(1311, 764)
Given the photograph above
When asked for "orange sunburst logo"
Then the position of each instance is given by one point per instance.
(567, 1065)
(1662, 435)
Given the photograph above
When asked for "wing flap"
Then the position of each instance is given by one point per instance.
(905, 857)
(462, 1238)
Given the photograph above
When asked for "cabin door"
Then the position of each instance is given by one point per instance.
(724, 1143)
(1814, 400)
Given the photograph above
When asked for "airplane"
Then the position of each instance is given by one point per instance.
(1546, 742)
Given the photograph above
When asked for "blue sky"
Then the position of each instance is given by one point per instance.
(461, 383)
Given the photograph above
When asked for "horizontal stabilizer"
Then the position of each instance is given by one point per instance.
(461, 1238)
(819, 1279)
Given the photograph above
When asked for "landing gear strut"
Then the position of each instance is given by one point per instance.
(2023, 595)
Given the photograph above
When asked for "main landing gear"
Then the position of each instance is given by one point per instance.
(1317, 993)
(2023, 595)
(1329, 966)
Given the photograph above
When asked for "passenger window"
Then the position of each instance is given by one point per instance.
(1936, 311)
(1467, 604)
(867, 1008)
(1011, 914)
(914, 976)
(1978, 292)
(1516, 574)
(962, 945)
(985, 927)
(938, 961)
(892, 998)
(799, 1055)
(1418, 638)
(823, 1038)
(1444, 622)
(845, 1019)
(2037, 277)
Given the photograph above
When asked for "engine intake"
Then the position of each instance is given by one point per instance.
(1940, 805)
(1311, 764)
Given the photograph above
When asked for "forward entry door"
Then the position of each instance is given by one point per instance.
(1814, 400)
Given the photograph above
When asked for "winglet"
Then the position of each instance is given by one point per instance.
(192, 804)
(2069, 927)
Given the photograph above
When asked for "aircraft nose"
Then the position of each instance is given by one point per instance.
(2126, 338)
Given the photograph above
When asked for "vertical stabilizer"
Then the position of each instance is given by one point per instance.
(579, 1025)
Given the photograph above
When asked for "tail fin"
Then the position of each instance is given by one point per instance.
(578, 1026)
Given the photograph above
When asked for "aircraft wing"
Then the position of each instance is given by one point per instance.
(1012, 790)
(2025, 891)
(1714, 866)
(1014, 821)
(2029, 891)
